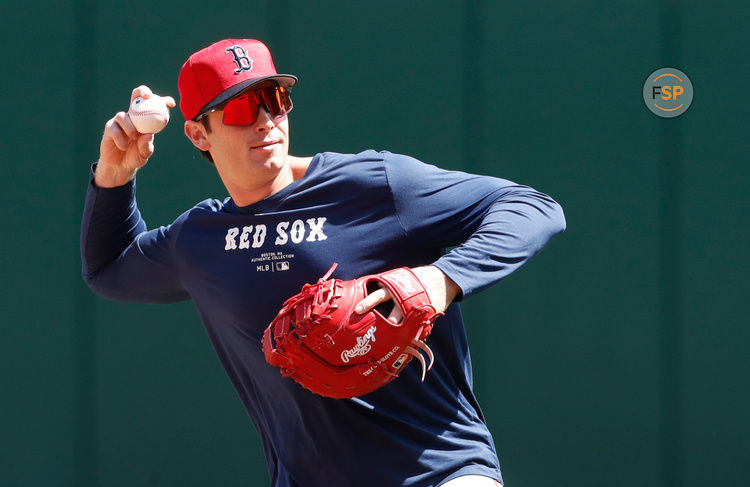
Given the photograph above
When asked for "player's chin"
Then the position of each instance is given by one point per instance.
(272, 161)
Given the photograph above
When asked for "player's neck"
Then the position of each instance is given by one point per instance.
(244, 196)
(254, 191)
(299, 166)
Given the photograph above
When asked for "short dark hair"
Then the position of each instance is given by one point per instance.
(205, 153)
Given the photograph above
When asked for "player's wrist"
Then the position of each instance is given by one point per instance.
(451, 288)
(108, 176)
(441, 288)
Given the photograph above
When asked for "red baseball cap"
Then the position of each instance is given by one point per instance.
(221, 71)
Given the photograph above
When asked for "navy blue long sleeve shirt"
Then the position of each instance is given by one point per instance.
(368, 212)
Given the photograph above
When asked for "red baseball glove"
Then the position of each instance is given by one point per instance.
(318, 340)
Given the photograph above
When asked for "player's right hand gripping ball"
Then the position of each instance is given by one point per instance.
(319, 341)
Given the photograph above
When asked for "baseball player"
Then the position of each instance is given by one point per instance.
(286, 220)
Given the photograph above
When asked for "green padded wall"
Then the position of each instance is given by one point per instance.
(617, 357)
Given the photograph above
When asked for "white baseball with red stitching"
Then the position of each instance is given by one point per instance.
(149, 115)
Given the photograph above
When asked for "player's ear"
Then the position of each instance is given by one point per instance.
(196, 132)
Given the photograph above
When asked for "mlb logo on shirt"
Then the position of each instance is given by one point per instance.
(282, 266)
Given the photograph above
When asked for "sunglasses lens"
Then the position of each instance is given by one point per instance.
(243, 110)
(238, 111)
(277, 100)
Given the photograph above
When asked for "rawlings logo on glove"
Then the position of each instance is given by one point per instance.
(319, 341)
(362, 346)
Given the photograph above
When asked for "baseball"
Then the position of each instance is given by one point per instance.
(149, 115)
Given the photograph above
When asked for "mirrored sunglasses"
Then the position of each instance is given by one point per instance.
(244, 109)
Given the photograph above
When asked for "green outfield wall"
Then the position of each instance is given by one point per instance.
(617, 357)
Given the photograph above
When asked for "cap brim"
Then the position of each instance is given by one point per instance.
(286, 80)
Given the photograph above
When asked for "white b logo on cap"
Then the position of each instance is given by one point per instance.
(244, 63)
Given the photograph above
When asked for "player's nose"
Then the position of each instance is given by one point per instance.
(265, 121)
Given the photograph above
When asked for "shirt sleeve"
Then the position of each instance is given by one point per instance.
(495, 225)
(121, 260)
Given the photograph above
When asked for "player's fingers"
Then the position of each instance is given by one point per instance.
(143, 91)
(114, 132)
(373, 299)
(145, 146)
(169, 101)
(396, 315)
(123, 120)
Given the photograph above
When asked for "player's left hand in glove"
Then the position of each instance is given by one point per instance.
(319, 340)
